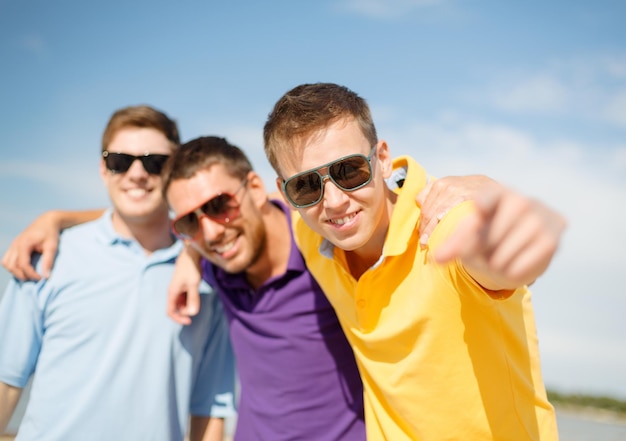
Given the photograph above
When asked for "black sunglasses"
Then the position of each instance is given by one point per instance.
(348, 173)
(222, 208)
(121, 162)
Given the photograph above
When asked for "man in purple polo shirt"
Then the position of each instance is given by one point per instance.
(298, 376)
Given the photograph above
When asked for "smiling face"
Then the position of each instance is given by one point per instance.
(136, 194)
(237, 244)
(352, 220)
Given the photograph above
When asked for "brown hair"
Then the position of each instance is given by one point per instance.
(309, 108)
(143, 117)
(201, 153)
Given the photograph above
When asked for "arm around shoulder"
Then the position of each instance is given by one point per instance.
(42, 236)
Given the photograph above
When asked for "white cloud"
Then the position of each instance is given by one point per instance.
(579, 180)
(538, 94)
(616, 108)
(571, 359)
(78, 182)
(591, 89)
(616, 67)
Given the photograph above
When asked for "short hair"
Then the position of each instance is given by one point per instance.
(309, 108)
(200, 154)
(141, 116)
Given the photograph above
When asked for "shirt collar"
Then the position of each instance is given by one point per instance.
(106, 234)
(406, 214)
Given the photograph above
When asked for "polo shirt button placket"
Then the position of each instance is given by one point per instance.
(361, 313)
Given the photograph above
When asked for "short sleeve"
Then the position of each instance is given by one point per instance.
(213, 393)
(21, 331)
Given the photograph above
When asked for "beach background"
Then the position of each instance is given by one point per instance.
(531, 93)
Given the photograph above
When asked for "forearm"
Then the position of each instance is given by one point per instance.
(65, 218)
(206, 429)
(9, 396)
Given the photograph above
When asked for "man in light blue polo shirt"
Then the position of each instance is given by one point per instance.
(107, 361)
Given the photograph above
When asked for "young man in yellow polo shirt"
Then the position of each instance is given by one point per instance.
(442, 328)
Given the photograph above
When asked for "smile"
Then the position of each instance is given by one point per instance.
(342, 220)
(224, 247)
(136, 192)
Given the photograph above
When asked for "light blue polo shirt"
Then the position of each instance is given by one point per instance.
(107, 361)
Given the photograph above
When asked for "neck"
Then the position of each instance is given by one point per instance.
(274, 254)
(361, 259)
(151, 232)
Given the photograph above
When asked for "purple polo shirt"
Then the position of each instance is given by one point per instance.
(299, 380)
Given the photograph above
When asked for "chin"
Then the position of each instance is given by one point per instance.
(346, 244)
(232, 266)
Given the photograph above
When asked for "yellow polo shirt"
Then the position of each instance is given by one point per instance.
(440, 358)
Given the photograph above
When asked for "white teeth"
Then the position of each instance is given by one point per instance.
(342, 220)
(225, 247)
(136, 192)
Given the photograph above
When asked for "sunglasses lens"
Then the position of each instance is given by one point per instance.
(348, 174)
(153, 164)
(186, 226)
(118, 162)
(221, 208)
(351, 173)
(304, 189)
(121, 162)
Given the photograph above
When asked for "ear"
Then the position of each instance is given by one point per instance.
(383, 157)
(257, 190)
(104, 173)
(274, 195)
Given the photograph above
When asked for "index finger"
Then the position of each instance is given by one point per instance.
(48, 253)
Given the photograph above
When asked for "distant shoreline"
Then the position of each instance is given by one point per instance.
(591, 413)
(590, 407)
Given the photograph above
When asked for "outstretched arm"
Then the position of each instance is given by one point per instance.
(42, 236)
(183, 297)
(507, 242)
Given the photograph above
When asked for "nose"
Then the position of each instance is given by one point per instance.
(333, 196)
(136, 169)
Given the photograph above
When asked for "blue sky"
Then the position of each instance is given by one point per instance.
(531, 93)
